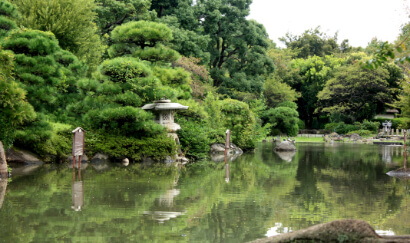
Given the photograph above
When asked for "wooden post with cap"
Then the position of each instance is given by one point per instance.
(405, 150)
(78, 145)
(227, 142)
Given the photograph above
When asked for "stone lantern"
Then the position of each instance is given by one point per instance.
(164, 112)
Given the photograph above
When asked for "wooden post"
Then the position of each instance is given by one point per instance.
(227, 142)
(78, 145)
(405, 151)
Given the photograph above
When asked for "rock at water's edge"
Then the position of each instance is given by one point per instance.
(220, 148)
(354, 230)
(285, 146)
(21, 156)
(100, 158)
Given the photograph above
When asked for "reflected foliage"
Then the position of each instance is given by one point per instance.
(197, 204)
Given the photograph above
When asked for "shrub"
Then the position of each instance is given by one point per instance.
(126, 121)
(397, 123)
(340, 127)
(194, 139)
(284, 118)
(371, 126)
(362, 133)
(51, 141)
(241, 121)
(157, 148)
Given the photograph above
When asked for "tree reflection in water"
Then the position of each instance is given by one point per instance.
(195, 204)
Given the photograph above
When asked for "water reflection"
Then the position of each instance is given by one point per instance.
(389, 152)
(264, 196)
(3, 187)
(227, 173)
(220, 157)
(277, 230)
(286, 155)
(77, 192)
(164, 207)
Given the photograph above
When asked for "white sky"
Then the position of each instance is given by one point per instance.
(356, 20)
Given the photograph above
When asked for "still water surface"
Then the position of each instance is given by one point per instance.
(257, 195)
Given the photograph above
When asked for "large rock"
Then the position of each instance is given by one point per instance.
(348, 230)
(220, 148)
(355, 137)
(285, 146)
(100, 158)
(401, 173)
(22, 156)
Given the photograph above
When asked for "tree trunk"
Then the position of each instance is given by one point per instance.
(3, 162)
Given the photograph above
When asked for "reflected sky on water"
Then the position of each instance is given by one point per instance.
(253, 196)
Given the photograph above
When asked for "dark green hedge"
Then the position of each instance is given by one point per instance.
(157, 148)
(397, 123)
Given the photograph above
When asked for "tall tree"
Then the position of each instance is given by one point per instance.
(238, 46)
(164, 7)
(312, 42)
(138, 73)
(312, 74)
(355, 91)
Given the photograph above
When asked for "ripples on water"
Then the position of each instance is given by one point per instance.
(257, 195)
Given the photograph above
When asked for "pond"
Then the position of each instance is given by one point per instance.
(257, 195)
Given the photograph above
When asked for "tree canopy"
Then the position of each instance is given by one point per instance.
(71, 21)
(354, 92)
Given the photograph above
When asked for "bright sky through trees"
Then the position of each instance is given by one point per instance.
(356, 20)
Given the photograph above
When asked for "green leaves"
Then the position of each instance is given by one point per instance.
(384, 54)
(46, 71)
(355, 92)
(141, 33)
(13, 105)
(71, 21)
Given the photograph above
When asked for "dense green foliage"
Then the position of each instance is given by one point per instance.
(15, 110)
(343, 128)
(44, 70)
(284, 117)
(8, 12)
(353, 92)
(95, 63)
(156, 147)
(113, 13)
(71, 21)
(397, 123)
(313, 43)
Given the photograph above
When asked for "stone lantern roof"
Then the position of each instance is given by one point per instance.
(161, 105)
(165, 111)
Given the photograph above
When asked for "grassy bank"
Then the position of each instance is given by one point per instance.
(301, 139)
